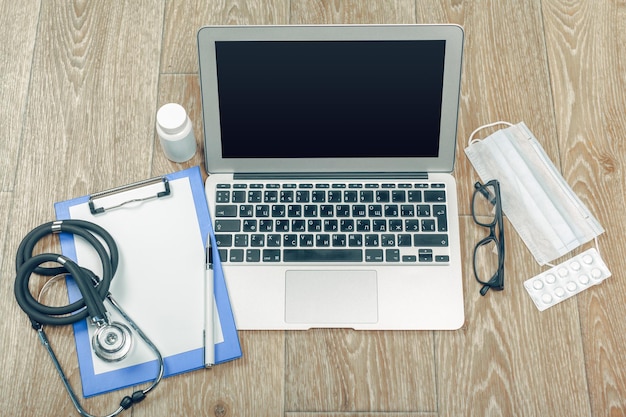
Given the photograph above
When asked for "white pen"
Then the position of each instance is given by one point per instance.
(209, 343)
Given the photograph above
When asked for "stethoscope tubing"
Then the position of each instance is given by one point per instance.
(93, 290)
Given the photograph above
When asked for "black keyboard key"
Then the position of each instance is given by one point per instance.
(222, 197)
(239, 196)
(382, 196)
(286, 196)
(294, 210)
(367, 196)
(246, 210)
(257, 240)
(439, 211)
(334, 196)
(224, 240)
(359, 210)
(392, 255)
(391, 210)
(373, 255)
(249, 225)
(318, 196)
(298, 225)
(355, 240)
(350, 196)
(223, 225)
(427, 239)
(371, 240)
(339, 240)
(428, 225)
(266, 225)
(342, 210)
(306, 240)
(405, 240)
(423, 210)
(388, 240)
(271, 255)
(434, 196)
(302, 196)
(236, 255)
(398, 196)
(273, 240)
(322, 240)
(290, 240)
(310, 210)
(226, 210)
(270, 196)
(262, 210)
(254, 196)
(278, 210)
(241, 240)
(375, 210)
(415, 196)
(282, 225)
(253, 255)
(346, 225)
(323, 255)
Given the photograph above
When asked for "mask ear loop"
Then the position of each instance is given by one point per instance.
(471, 139)
(595, 240)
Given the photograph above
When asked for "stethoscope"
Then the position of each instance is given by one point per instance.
(112, 340)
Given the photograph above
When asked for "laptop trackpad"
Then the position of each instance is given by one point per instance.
(331, 297)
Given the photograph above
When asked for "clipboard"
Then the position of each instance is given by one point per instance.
(160, 227)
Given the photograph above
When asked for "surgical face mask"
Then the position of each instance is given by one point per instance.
(541, 206)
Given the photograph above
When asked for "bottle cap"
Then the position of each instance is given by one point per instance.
(171, 118)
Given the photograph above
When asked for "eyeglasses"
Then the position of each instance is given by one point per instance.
(489, 252)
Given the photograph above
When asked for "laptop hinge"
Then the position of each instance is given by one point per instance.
(330, 175)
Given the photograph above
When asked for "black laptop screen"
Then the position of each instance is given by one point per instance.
(330, 99)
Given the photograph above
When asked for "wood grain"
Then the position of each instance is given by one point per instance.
(183, 19)
(18, 28)
(586, 49)
(81, 83)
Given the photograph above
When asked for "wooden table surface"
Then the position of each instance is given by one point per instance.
(80, 85)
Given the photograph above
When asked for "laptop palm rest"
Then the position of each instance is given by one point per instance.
(331, 297)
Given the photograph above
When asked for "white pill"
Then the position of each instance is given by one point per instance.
(596, 273)
(537, 284)
(588, 259)
(550, 279)
(559, 292)
(571, 286)
(563, 272)
(584, 279)
(575, 266)
(546, 298)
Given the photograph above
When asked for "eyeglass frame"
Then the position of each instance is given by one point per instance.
(496, 282)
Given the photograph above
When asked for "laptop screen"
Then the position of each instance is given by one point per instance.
(330, 99)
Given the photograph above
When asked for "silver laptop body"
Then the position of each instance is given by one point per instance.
(329, 151)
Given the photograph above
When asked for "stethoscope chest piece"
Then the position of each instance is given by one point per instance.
(112, 342)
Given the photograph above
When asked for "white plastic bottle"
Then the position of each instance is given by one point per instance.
(175, 133)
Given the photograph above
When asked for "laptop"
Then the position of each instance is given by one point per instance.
(329, 151)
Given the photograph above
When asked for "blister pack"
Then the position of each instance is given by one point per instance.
(567, 279)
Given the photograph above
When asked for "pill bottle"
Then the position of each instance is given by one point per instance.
(175, 133)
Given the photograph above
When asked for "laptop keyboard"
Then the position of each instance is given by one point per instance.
(350, 222)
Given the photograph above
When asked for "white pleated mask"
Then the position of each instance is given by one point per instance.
(541, 206)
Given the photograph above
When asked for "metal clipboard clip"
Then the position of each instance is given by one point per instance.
(121, 196)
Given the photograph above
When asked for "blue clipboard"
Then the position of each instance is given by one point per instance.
(169, 235)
